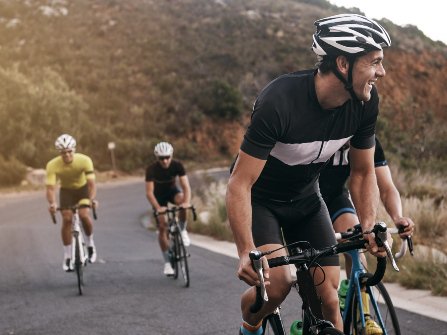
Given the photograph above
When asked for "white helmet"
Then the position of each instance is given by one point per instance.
(65, 142)
(163, 149)
(348, 34)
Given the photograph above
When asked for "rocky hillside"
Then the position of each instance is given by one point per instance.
(187, 71)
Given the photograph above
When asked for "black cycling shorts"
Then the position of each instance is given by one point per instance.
(339, 205)
(301, 220)
(169, 196)
(71, 197)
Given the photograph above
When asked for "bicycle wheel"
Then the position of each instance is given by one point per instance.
(272, 324)
(79, 266)
(182, 259)
(382, 312)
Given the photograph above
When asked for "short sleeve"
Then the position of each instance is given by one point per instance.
(263, 131)
(379, 155)
(50, 175)
(89, 169)
(364, 138)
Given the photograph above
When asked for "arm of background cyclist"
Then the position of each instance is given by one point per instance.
(391, 200)
(184, 184)
(238, 201)
(151, 197)
(51, 198)
(364, 191)
(91, 185)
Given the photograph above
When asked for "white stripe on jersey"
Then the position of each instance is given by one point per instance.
(306, 153)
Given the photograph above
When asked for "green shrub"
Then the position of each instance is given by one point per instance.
(12, 172)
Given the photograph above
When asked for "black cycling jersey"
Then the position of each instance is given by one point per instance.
(297, 136)
(164, 179)
(334, 175)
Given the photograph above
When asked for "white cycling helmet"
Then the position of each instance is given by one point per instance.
(65, 142)
(348, 34)
(163, 149)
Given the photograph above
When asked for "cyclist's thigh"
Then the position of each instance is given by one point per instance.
(176, 196)
(340, 205)
(267, 236)
(265, 224)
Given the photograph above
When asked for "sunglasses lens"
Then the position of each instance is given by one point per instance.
(162, 158)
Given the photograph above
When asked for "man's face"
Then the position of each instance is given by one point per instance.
(165, 161)
(367, 70)
(67, 155)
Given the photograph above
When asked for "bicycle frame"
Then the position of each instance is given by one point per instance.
(315, 325)
(353, 299)
(179, 254)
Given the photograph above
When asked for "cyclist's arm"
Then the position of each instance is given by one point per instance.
(91, 184)
(184, 184)
(391, 200)
(151, 197)
(364, 190)
(51, 197)
(238, 201)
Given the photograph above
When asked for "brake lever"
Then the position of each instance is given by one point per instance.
(381, 239)
(255, 256)
(410, 245)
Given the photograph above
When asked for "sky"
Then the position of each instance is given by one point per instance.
(426, 15)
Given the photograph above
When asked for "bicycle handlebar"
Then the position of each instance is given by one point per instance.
(176, 209)
(308, 256)
(73, 208)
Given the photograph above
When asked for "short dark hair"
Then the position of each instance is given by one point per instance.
(327, 64)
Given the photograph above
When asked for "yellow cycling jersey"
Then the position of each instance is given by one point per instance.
(73, 175)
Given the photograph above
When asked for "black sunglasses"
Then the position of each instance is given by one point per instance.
(162, 158)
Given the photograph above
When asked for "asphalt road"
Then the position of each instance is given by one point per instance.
(125, 290)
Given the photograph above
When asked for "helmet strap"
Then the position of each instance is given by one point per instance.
(348, 83)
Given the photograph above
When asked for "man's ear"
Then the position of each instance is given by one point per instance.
(342, 64)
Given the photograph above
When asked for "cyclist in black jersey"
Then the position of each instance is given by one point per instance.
(161, 188)
(299, 121)
(333, 179)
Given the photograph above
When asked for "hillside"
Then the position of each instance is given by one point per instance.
(187, 71)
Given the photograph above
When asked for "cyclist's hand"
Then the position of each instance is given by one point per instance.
(185, 205)
(408, 226)
(372, 246)
(52, 208)
(248, 274)
(94, 203)
(161, 209)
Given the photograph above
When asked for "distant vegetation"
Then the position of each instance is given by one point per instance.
(136, 72)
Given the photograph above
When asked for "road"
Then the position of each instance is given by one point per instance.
(125, 290)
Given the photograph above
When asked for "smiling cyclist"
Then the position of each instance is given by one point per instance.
(76, 176)
(299, 121)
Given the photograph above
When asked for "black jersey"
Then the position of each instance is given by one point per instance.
(164, 179)
(297, 136)
(334, 175)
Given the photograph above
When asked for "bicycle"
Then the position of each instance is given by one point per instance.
(380, 307)
(178, 254)
(304, 256)
(79, 255)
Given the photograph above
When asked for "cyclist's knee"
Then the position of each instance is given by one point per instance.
(280, 285)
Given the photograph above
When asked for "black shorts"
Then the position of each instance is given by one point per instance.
(169, 196)
(339, 205)
(301, 220)
(71, 197)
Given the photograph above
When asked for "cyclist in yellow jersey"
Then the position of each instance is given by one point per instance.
(76, 177)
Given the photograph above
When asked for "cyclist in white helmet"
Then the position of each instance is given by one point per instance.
(75, 174)
(299, 121)
(161, 189)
